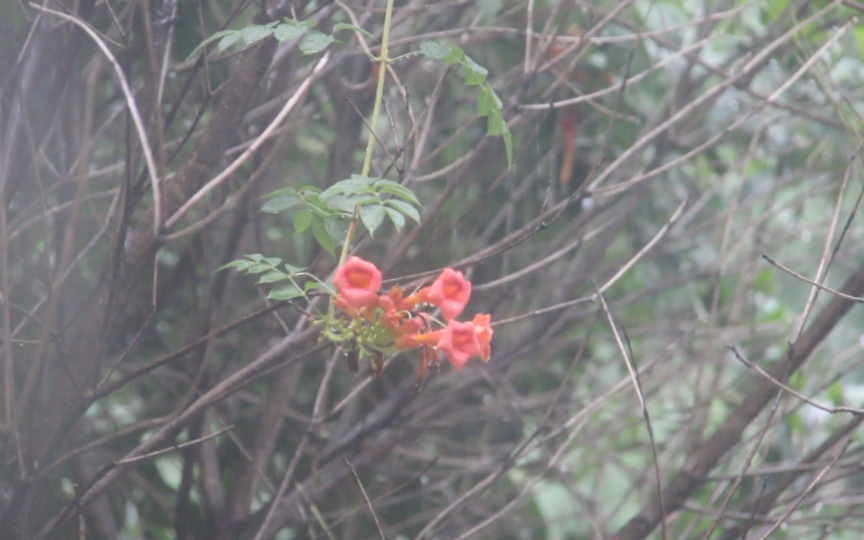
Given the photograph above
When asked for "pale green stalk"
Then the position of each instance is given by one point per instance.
(370, 147)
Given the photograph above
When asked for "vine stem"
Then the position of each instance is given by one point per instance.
(370, 146)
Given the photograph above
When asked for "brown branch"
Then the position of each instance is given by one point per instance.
(691, 476)
(760, 504)
(95, 332)
(365, 498)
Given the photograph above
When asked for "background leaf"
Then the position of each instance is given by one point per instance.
(343, 26)
(211, 39)
(229, 39)
(280, 203)
(252, 34)
(288, 31)
(315, 42)
(437, 50)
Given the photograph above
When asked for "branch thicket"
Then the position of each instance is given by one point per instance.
(671, 266)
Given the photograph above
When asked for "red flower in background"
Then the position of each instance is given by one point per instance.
(449, 293)
(358, 282)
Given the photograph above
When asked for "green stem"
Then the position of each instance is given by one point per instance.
(370, 147)
(379, 91)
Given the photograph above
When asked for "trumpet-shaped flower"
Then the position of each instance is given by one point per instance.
(458, 342)
(398, 321)
(358, 282)
(449, 293)
(483, 333)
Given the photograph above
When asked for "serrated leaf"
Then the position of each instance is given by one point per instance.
(454, 56)
(445, 52)
(293, 269)
(350, 186)
(280, 203)
(360, 179)
(252, 34)
(337, 228)
(396, 217)
(404, 208)
(273, 261)
(397, 189)
(434, 49)
(494, 123)
(209, 40)
(258, 268)
(496, 101)
(341, 203)
(238, 265)
(229, 39)
(308, 23)
(285, 292)
(322, 237)
(288, 31)
(302, 220)
(372, 215)
(345, 205)
(282, 191)
(485, 100)
(343, 26)
(475, 74)
(273, 276)
(489, 9)
(318, 207)
(312, 284)
(315, 42)
(257, 257)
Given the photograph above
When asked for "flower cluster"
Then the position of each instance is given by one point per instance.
(394, 321)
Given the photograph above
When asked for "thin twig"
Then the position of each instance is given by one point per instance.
(806, 491)
(634, 377)
(740, 476)
(778, 384)
(365, 497)
(822, 270)
(172, 448)
(133, 110)
(810, 281)
(265, 135)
